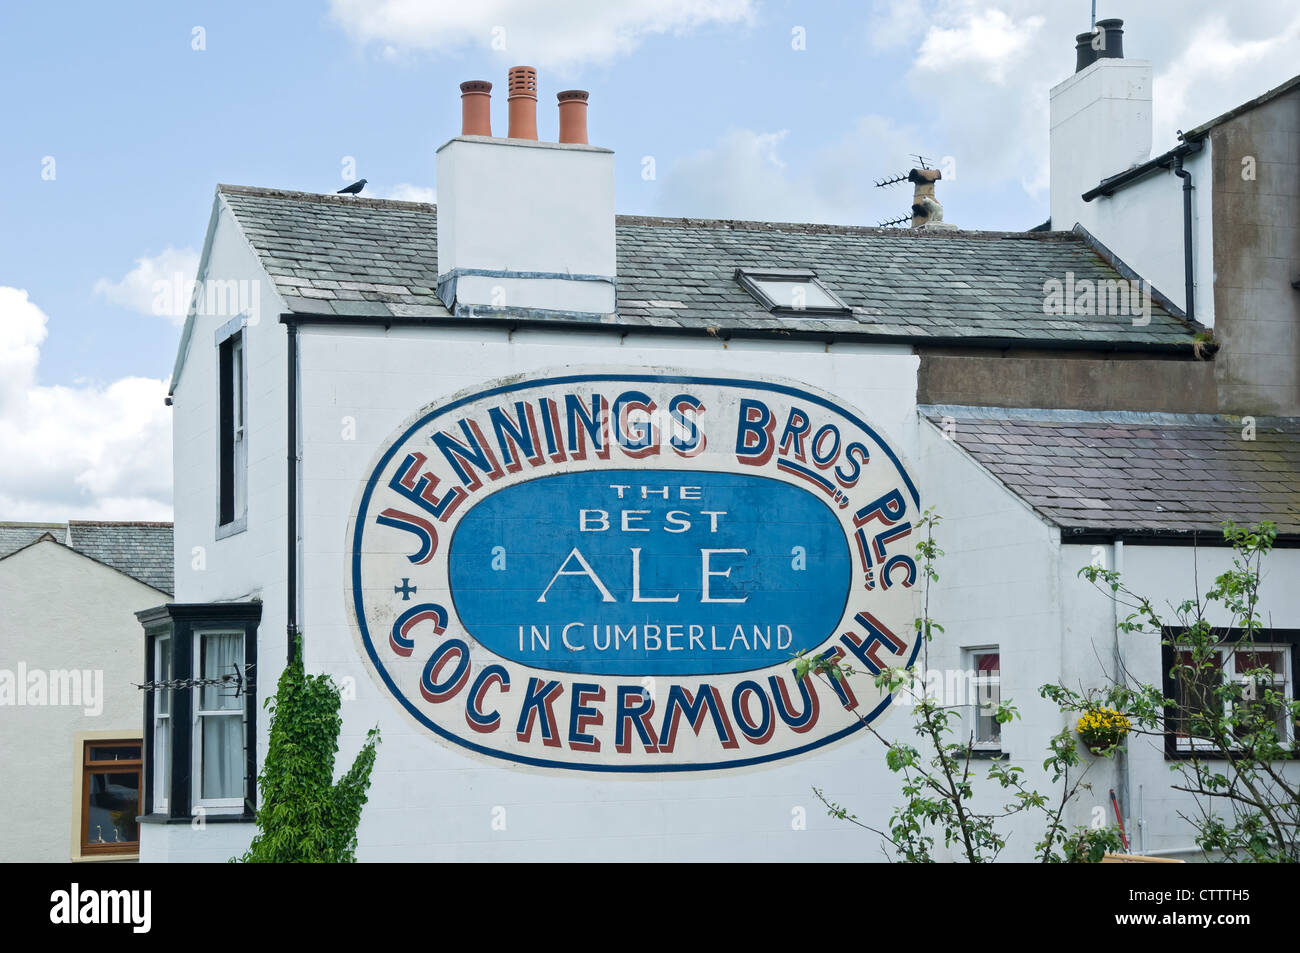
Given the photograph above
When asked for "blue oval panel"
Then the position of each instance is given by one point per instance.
(646, 572)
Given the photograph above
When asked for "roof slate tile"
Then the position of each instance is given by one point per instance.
(900, 284)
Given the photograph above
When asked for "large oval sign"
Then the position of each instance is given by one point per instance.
(614, 572)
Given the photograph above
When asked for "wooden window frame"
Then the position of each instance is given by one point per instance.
(90, 768)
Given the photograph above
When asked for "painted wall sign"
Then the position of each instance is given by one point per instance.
(612, 572)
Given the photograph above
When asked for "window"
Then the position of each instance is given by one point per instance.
(111, 797)
(790, 291)
(162, 709)
(201, 728)
(986, 691)
(219, 719)
(1265, 672)
(1260, 668)
(233, 438)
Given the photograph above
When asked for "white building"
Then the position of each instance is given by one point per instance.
(70, 660)
(555, 493)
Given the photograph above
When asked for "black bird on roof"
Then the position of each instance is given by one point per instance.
(353, 189)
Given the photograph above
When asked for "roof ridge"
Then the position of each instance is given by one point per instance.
(662, 221)
(1067, 416)
(323, 198)
(158, 523)
(668, 221)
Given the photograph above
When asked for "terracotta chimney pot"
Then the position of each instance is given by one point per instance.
(523, 103)
(573, 116)
(476, 108)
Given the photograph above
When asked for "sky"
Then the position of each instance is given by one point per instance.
(120, 119)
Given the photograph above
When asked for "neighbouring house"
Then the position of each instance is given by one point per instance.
(555, 494)
(70, 661)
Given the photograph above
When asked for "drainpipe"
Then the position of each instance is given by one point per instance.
(291, 515)
(1171, 160)
(1121, 756)
(1190, 309)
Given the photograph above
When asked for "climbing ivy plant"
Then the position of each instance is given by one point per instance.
(305, 816)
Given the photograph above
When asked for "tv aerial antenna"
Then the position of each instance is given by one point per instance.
(922, 162)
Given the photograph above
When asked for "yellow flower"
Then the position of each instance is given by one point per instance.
(1103, 726)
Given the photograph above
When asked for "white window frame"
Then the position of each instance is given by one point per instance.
(752, 279)
(234, 332)
(162, 722)
(1226, 653)
(977, 682)
(220, 805)
(239, 385)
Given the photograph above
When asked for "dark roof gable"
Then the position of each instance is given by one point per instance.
(1122, 473)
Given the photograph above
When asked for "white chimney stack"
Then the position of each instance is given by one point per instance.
(1100, 121)
(526, 226)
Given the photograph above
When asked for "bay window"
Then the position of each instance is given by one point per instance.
(200, 711)
(219, 720)
(162, 662)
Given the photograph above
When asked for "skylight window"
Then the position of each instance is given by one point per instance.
(790, 291)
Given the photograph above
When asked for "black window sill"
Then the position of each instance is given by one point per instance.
(1211, 754)
(989, 754)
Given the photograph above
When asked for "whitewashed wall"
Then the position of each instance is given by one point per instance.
(1167, 575)
(247, 565)
(1143, 225)
(1101, 126)
(998, 585)
(1004, 582)
(429, 801)
(49, 630)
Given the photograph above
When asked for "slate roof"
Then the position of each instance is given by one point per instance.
(15, 536)
(353, 256)
(1137, 473)
(140, 550)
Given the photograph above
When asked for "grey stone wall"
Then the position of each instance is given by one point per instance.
(1256, 257)
(1067, 382)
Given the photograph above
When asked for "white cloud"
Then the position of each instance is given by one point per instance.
(982, 69)
(151, 286)
(81, 452)
(744, 176)
(542, 34)
(1217, 71)
(406, 192)
(894, 23)
(980, 76)
(984, 44)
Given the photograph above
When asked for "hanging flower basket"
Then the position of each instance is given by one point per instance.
(1102, 728)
